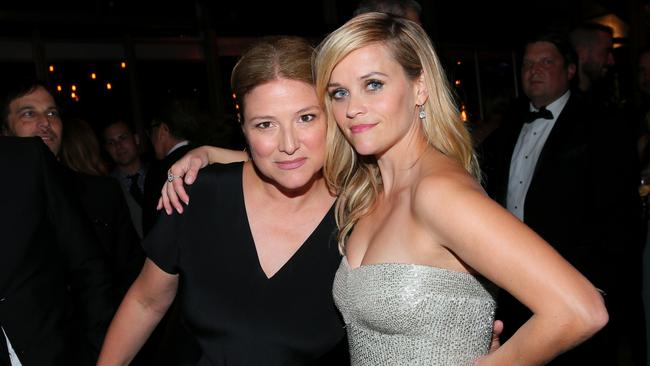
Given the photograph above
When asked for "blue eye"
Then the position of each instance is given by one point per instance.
(339, 94)
(374, 85)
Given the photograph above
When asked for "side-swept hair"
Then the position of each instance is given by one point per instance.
(354, 178)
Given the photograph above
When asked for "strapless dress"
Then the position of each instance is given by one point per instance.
(409, 314)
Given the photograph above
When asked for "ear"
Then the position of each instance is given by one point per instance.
(136, 138)
(422, 92)
(164, 128)
(571, 71)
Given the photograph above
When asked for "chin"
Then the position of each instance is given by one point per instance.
(365, 149)
(297, 181)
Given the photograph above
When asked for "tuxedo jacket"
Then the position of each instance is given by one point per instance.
(582, 198)
(55, 289)
(153, 183)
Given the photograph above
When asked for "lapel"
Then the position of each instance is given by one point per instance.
(562, 135)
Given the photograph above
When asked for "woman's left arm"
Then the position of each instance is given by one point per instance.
(567, 308)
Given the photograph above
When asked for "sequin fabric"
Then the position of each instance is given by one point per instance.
(408, 314)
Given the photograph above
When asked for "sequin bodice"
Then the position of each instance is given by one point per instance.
(408, 314)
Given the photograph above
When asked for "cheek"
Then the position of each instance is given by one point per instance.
(22, 128)
(260, 146)
(338, 111)
(57, 126)
(316, 140)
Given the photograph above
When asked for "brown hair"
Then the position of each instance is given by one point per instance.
(269, 59)
(80, 148)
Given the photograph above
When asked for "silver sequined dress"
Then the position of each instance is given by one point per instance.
(408, 314)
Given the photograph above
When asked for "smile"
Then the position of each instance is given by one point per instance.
(362, 127)
(291, 164)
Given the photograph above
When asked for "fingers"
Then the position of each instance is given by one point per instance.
(178, 192)
(496, 332)
(167, 201)
(193, 168)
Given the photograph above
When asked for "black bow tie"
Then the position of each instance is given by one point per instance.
(544, 113)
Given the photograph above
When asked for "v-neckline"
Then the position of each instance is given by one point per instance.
(254, 245)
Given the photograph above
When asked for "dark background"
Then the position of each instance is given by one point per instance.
(189, 47)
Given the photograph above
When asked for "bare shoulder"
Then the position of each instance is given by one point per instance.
(443, 188)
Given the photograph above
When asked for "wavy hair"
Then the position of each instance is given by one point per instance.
(355, 178)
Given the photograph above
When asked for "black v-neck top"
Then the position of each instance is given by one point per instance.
(237, 314)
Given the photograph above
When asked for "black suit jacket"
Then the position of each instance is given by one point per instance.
(155, 179)
(105, 207)
(53, 278)
(582, 199)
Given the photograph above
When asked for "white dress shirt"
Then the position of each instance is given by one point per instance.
(13, 358)
(526, 153)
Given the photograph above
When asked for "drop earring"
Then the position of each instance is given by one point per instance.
(422, 113)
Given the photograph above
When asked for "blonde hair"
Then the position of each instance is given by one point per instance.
(355, 178)
(80, 148)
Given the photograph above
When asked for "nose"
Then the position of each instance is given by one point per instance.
(355, 107)
(610, 59)
(43, 121)
(536, 68)
(289, 140)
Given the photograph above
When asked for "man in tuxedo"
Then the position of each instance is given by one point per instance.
(55, 289)
(550, 167)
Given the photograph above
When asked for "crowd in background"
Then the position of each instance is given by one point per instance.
(583, 185)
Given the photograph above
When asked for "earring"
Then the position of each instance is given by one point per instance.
(422, 113)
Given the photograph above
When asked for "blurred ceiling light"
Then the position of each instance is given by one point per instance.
(621, 29)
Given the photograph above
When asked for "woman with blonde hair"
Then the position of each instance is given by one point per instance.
(422, 242)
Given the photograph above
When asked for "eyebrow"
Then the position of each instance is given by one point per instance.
(24, 108)
(31, 107)
(307, 109)
(362, 77)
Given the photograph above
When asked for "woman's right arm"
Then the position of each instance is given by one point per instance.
(145, 303)
(187, 168)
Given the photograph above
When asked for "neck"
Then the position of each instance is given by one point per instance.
(399, 165)
(271, 191)
(131, 168)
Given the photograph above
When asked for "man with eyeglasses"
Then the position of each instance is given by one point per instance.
(123, 146)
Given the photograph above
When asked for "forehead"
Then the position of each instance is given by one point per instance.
(541, 49)
(280, 96)
(373, 57)
(116, 129)
(39, 97)
(604, 38)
